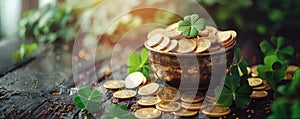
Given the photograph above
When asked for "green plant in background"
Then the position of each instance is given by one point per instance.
(191, 25)
(118, 111)
(48, 24)
(288, 106)
(88, 99)
(24, 52)
(236, 87)
(276, 48)
(137, 63)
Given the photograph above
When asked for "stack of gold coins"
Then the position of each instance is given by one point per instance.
(171, 40)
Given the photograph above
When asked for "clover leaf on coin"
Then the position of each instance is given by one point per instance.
(88, 99)
(137, 63)
(276, 47)
(117, 111)
(191, 25)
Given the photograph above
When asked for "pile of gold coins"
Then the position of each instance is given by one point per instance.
(155, 101)
(208, 40)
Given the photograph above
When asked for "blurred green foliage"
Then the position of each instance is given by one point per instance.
(257, 16)
(48, 24)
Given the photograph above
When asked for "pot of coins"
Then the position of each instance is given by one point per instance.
(190, 63)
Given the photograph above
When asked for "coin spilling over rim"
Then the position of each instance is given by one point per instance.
(134, 80)
(114, 84)
(192, 96)
(172, 46)
(148, 101)
(168, 94)
(124, 94)
(147, 113)
(148, 89)
(185, 113)
(168, 106)
(216, 111)
(186, 45)
(164, 43)
(255, 81)
(154, 40)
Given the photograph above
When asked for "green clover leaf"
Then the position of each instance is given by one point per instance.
(280, 109)
(88, 99)
(24, 52)
(276, 48)
(191, 25)
(137, 63)
(118, 111)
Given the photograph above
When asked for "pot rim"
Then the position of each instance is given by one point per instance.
(191, 54)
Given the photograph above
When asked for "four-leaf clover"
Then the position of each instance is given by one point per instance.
(191, 25)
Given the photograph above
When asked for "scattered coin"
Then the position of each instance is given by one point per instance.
(224, 36)
(191, 106)
(168, 106)
(202, 45)
(148, 101)
(192, 96)
(148, 89)
(172, 46)
(147, 113)
(216, 111)
(254, 72)
(259, 94)
(168, 94)
(259, 88)
(186, 45)
(134, 79)
(154, 40)
(124, 94)
(185, 113)
(164, 43)
(254, 81)
(156, 31)
(114, 84)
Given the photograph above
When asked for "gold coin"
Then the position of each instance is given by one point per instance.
(224, 36)
(174, 34)
(168, 106)
(172, 46)
(259, 88)
(192, 96)
(148, 89)
(191, 106)
(156, 31)
(216, 111)
(148, 101)
(164, 43)
(172, 27)
(147, 113)
(168, 94)
(202, 45)
(211, 29)
(186, 45)
(114, 84)
(124, 94)
(254, 81)
(254, 72)
(249, 70)
(154, 40)
(233, 33)
(204, 33)
(259, 94)
(265, 83)
(185, 113)
(134, 79)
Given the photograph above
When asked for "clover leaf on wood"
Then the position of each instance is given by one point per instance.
(137, 63)
(117, 111)
(88, 99)
(191, 25)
